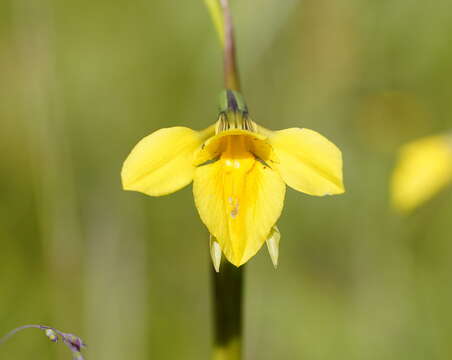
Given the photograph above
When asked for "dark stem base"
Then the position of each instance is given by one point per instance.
(227, 311)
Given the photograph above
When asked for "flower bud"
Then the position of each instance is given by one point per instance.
(52, 335)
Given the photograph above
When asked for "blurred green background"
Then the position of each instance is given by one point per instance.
(81, 82)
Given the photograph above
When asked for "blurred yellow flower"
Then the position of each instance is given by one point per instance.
(424, 167)
(239, 171)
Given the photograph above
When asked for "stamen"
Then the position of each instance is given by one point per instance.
(263, 162)
(229, 120)
(211, 161)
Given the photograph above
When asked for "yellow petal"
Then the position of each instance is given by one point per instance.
(239, 198)
(307, 161)
(162, 162)
(424, 167)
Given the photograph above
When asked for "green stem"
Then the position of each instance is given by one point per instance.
(227, 311)
(231, 73)
(216, 13)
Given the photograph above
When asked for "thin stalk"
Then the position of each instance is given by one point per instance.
(216, 13)
(227, 309)
(231, 73)
(73, 342)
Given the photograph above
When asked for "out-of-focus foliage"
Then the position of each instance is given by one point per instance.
(83, 81)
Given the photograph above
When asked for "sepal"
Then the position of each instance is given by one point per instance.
(273, 245)
(215, 252)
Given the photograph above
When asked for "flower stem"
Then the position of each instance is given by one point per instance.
(227, 309)
(231, 74)
(227, 283)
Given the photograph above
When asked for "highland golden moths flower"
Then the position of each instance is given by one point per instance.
(424, 167)
(239, 172)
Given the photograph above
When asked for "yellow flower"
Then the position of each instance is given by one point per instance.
(239, 172)
(424, 167)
